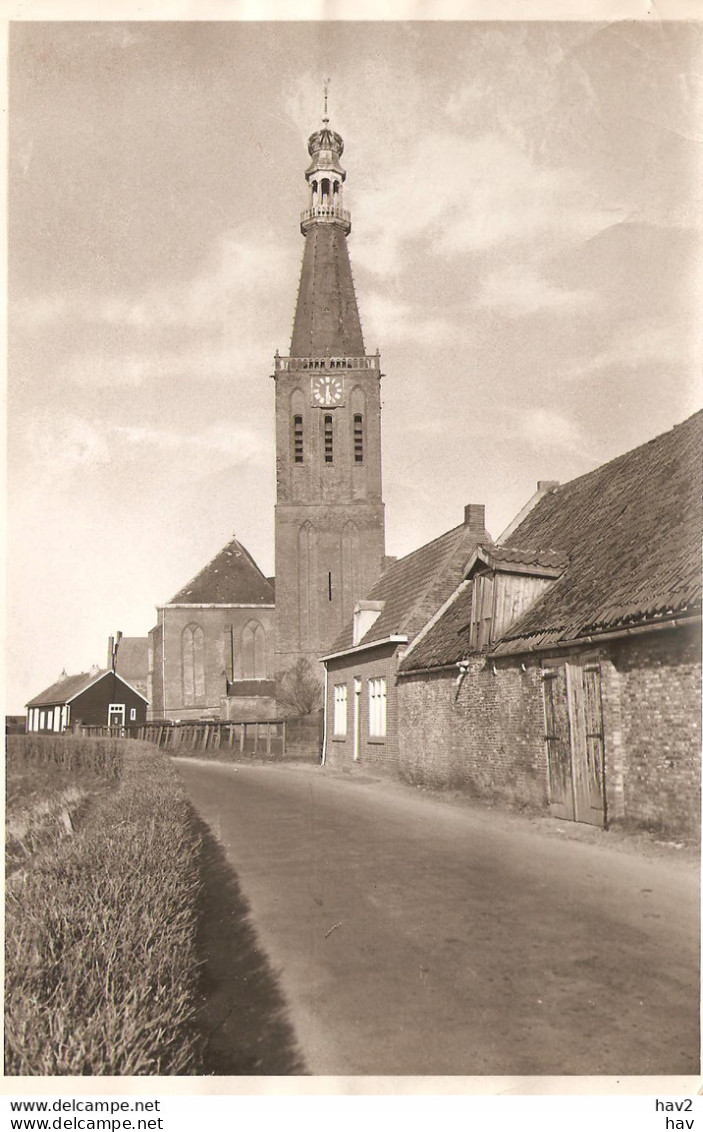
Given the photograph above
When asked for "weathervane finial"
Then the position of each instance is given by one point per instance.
(326, 86)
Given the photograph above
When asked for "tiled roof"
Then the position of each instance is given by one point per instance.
(66, 688)
(503, 557)
(326, 314)
(631, 531)
(414, 587)
(231, 578)
(446, 641)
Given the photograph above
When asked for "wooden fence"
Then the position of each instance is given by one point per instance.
(267, 738)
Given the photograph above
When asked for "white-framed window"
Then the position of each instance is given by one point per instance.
(340, 709)
(42, 720)
(377, 708)
(57, 719)
(132, 714)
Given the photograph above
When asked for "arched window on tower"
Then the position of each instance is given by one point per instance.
(253, 651)
(325, 193)
(358, 438)
(329, 440)
(193, 665)
(298, 452)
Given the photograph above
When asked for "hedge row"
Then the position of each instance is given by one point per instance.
(69, 753)
(101, 969)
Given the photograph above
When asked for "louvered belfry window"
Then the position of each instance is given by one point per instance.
(298, 440)
(358, 438)
(329, 440)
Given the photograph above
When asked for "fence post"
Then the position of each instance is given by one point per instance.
(268, 739)
(283, 739)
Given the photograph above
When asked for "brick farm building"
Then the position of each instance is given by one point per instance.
(563, 672)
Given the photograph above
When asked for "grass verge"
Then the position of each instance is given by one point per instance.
(101, 969)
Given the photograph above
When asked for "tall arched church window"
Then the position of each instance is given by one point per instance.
(193, 665)
(253, 651)
(296, 408)
(307, 572)
(329, 440)
(298, 440)
(350, 561)
(358, 425)
(358, 438)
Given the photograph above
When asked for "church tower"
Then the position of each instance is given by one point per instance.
(329, 508)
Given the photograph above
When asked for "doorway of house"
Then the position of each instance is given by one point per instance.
(573, 719)
(115, 715)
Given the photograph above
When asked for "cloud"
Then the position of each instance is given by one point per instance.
(547, 428)
(237, 274)
(467, 195)
(219, 318)
(221, 444)
(213, 361)
(519, 289)
(68, 443)
(388, 319)
(636, 343)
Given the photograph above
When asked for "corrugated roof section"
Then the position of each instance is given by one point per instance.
(231, 578)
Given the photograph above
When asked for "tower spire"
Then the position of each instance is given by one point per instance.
(326, 317)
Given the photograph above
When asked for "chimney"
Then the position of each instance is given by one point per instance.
(475, 517)
(94, 669)
(110, 647)
(547, 485)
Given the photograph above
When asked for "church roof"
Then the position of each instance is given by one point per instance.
(231, 578)
(413, 588)
(631, 534)
(326, 316)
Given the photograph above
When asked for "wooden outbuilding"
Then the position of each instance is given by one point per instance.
(99, 697)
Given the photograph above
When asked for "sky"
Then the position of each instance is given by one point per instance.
(526, 247)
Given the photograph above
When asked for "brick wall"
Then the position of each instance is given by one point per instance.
(660, 680)
(379, 755)
(486, 734)
(167, 655)
(483, 734)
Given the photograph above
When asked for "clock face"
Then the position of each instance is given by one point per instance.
(327, 390)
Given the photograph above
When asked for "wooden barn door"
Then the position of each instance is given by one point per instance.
(574, 736)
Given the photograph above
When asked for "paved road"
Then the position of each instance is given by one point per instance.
(416, 936)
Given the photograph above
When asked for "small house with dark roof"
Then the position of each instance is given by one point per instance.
(212, 650)
(98, 697)
(564, 671)
(361, 714)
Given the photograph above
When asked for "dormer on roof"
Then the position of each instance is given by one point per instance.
(366, 613)
(506, 582)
